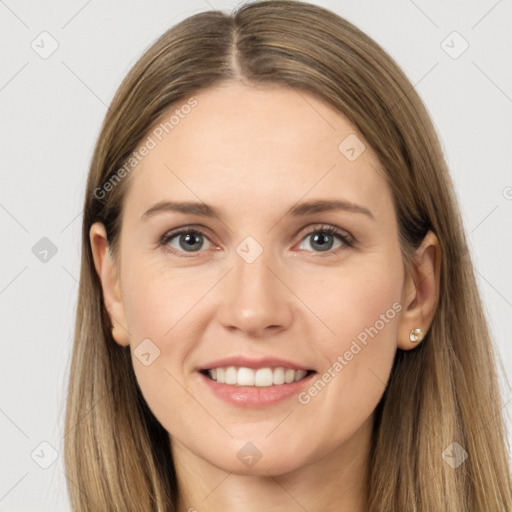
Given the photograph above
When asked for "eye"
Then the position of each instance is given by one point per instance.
(323, 238)
(185, 240)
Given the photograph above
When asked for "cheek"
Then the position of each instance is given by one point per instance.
(160, 313)
(164, 305)
(157, 300)
(363, 312)
(356, 298)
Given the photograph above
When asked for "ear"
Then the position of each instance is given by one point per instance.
(420, 295)
(108, 272)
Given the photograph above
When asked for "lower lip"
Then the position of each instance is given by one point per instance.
(255, 396)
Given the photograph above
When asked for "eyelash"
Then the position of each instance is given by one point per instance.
(348, 240)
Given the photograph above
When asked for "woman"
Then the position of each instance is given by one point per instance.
(277, 305)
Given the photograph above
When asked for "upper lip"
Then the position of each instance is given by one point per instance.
(254, 363)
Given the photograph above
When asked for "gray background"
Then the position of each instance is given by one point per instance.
(52, 109)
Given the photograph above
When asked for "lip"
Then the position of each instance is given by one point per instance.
(254, 363)
(253, 396)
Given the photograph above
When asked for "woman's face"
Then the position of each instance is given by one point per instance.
(260, 284)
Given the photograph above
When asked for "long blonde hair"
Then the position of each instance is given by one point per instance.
(117, 455)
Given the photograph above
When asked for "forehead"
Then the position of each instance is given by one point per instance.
(255, 148)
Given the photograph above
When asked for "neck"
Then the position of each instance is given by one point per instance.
(336, 482)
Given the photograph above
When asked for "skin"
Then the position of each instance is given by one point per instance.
(253, 152)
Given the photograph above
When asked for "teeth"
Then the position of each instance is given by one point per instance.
(263, 377)
(245, 377)
(231, 375)
(278, 376)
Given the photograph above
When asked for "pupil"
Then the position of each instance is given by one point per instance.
(324, 246)
(190, 240)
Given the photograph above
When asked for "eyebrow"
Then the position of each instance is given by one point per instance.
(297, 210)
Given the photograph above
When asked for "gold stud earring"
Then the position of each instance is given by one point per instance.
(416, 335)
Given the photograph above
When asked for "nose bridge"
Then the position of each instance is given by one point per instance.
(254, 299)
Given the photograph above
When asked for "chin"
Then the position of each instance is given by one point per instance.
(246, 459)
(261, 468)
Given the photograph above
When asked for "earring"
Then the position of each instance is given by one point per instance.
(416, 335)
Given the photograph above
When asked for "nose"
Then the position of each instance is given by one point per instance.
(255, 300)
